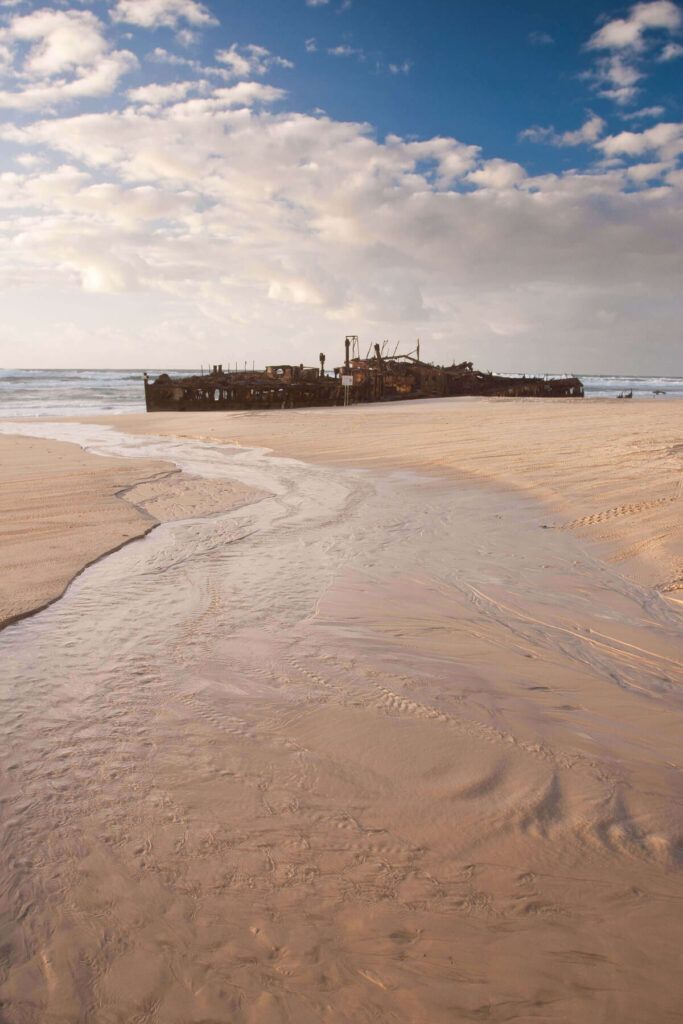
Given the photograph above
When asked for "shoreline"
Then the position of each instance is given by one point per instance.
(62, 510)
(56, 524)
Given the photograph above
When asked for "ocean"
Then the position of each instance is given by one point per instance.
(47, 394)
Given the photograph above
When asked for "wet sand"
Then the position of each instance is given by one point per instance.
(62, 508)
(374, 747)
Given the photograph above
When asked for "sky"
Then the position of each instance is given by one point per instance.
(185, 183)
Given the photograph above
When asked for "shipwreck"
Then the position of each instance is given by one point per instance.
(377, 377)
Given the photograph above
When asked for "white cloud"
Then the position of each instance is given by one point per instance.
(497, 174)
(675, 178)
(311, 45)
(187, 37)
(537, 133)
(666, 139)
(317, 3)
(67, 57)
(59, 41)
(6, 57)
(159, 55)
(449, 159)
(203, 206)
(243, 94)
(158, 95)
(644, 112)
(616, 78)
(246, 61)
(344, 50)
(627, 41)
(293, 194)
(29, 160)
(162, 13)
(587, 134)
(100, 80)
(629, 33)
(672, 51)
(238, 59)
(646, 172)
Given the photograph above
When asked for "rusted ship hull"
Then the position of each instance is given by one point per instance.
(375, 378)
(211, 392)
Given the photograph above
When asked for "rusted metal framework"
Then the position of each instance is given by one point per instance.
(376, 378)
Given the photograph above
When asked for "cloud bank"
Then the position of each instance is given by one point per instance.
(218, 223)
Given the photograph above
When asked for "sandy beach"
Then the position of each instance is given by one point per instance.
(383, 726)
